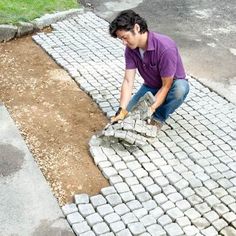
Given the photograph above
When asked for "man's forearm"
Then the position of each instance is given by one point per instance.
(159, 98)
(126, 91)
(162, 93)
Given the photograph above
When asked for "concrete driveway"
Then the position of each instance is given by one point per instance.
(204, 30)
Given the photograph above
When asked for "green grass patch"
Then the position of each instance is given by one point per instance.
(13, 11)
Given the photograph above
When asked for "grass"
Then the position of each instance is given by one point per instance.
(13, 11)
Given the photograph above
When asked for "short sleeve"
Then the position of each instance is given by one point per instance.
(129, 60)
(168, 63)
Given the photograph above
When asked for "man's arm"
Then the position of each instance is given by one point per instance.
(162, 93)
(127, 87)
(125, 94)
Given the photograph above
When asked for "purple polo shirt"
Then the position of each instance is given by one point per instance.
(161, 59)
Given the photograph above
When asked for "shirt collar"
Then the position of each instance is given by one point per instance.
(150, 46)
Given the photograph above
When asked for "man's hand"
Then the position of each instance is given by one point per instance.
(120, 115)
(149, 114)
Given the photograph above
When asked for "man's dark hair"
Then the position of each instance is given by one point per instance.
(126, 21)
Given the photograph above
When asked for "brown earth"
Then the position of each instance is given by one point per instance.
(55, 117)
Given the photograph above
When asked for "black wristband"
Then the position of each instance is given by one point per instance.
(119, 110)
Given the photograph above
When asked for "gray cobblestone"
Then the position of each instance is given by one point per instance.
(228, 231)
(94, 219)
(88, 233)
(143, 197)
(101, 228)
(183, 205)
(169, 189)
(192, 214)
(146, 181)
(232, 207)
(137, 189)
(219, 192)
(109, 171)
(121, 209)
(117, 226)
(202, 208)
(129, 218)
(212, 200)
(161, 181)
(104, 209)
(69, 208)
(221, 208)
(187, 192)
(86, 209)
(183, 221)
(211, 216)
(190, 230)
(175, 213)
(139, 173)
(229, 217)
(173, 229)
(225, 183)
(74, 217)
(167, 205)
(194, 199)
(202, 192)
(122, 187)
(157, 212)
(154, 189)
(156, 230)
(115, 179)
(175, 197)
(114, 199)
(127, 196)
(81, 198)
(201, 223)
(80, 228)
(232, 191)
(219, 224)
(182, 184)
(108, 190)
(210, 231)
(133, 165)
(164, 220)
(98, 200)
(125, 232)
(134, 205)
(125, 173)
(136, 228)
(148, 220)
(112, 217)
(139, 213)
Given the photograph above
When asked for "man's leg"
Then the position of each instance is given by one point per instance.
(174, 99)
(140, 93)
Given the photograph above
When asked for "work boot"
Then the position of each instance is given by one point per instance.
(157, 123)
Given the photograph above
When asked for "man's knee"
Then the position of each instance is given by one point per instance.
(181, 91)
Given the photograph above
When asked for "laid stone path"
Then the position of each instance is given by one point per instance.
(183, 182)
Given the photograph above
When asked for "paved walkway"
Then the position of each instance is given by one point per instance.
(181, 183)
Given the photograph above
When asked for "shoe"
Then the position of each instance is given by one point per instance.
(157, 123)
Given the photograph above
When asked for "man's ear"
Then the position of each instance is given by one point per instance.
(136, 28)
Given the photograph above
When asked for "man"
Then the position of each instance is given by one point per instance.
(158, 61)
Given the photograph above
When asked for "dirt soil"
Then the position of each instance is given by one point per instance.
(55, 117)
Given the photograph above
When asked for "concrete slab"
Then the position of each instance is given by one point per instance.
(27, 206)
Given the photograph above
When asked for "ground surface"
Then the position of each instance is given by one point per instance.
(55, 117)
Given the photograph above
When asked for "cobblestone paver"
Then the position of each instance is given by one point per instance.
(183, 182)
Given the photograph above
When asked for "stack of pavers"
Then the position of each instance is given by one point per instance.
(183, 182)
(134, 129)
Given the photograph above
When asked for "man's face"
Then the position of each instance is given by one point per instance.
(129, 38)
